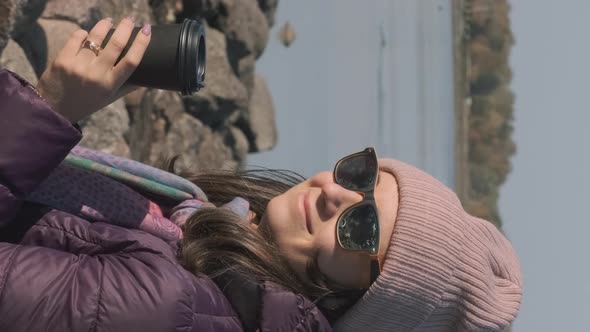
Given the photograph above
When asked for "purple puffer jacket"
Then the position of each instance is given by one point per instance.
(67, 274)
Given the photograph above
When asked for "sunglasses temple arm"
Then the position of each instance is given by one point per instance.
(375, 268)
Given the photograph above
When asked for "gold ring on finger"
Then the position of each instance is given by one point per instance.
(92, 46)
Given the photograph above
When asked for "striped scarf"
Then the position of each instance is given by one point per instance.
(101, 187)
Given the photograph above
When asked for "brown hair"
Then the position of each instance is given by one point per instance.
(217, 241)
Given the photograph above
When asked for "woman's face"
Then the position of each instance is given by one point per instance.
(302, 222)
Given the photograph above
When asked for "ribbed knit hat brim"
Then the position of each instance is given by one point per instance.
(444, 270)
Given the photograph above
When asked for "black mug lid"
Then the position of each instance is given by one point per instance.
(192, 56)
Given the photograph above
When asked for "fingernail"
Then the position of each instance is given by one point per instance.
(147, 29)
(130, 18)
(110, 19)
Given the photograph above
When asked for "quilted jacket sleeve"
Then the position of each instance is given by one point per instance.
(283, 310)
(68, 274)
(33, 141)
(104, 278)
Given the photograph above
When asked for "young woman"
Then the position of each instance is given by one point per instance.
(373, 245)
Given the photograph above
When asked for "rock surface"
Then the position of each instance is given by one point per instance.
(105, 130)
(57, 33)
(216, 127)
(198, 146)
(14, 58)
(269, 8)
(86, 13)
(34, 44)
(223, 95)
(259, 124)
(16, 17)
(245, 27)
(165, 11)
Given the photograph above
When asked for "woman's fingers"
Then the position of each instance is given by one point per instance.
(133, 57)
(73, 44)
(96, 35)
(117, 43)
(78, 82)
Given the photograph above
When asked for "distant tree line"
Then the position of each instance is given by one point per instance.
(490, 145)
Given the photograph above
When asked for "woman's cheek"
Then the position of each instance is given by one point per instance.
(326, 243)
(343, 266)
(277, 214)
(325, 238)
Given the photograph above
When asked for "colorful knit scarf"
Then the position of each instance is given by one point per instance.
(98, 186)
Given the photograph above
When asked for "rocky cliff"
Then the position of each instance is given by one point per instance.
(217, 127)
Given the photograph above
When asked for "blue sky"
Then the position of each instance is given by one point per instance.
(324, 91)
(545, 200)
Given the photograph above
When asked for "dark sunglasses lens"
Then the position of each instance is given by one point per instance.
(358, 228)
(358, 172)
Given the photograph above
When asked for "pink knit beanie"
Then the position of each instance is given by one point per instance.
(444, 270)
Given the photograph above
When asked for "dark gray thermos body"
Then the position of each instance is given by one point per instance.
(174, 60)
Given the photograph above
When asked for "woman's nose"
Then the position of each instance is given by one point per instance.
(335, 199)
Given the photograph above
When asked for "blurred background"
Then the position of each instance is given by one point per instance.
(489, 96)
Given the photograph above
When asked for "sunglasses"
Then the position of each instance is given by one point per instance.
(357, 228)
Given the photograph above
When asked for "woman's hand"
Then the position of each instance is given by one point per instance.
(80, 82)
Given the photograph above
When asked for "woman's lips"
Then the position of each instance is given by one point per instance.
(307, 209)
